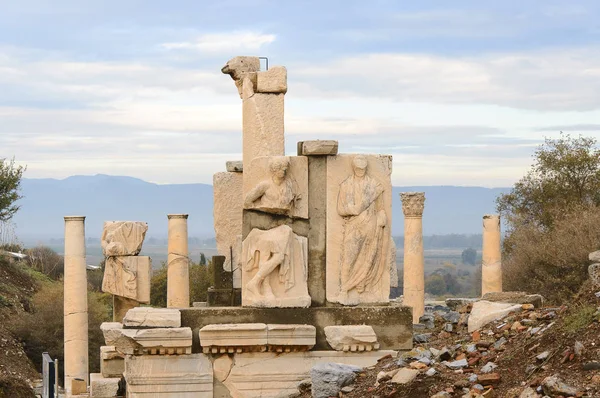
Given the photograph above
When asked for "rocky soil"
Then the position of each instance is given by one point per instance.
(532, 353)
(17, 373)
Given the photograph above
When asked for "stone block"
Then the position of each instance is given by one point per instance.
(594, 272)
(391, 323)
(103, 387)
(359, 215)
(318, 148)
(514, 298)
(234, 166)
(227, 214)
(328, 379)
(271, 374)
(112, 362)
(78, 387)
(128, 276)
(230, 338)
(123, 238)
(287, 338)
(163, 376)
(272, 81)
(277, 185)
(148, 317)
(484, 312)
(149, 341)
(352, 338)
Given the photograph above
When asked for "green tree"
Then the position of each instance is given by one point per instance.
(10, 183)
(469, 256)
(202, 259)
(565, 173)
(435, 284)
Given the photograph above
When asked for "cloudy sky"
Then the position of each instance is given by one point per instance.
(459, 92)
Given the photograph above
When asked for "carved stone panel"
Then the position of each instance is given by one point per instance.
(274, 269)
(123, 238)
(128, 276)
(277, 185)
(359, 215)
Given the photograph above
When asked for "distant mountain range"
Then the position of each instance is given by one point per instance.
(448, 209)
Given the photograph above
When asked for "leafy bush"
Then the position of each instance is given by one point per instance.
(45, 260)
(200, 280)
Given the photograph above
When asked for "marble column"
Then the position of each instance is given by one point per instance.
(75, 302)
(413, 204)
(178, 263)
(491, 267)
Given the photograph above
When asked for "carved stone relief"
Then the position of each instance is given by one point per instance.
(123, 238)
(128, 276)
(358, 228)
(274, 269)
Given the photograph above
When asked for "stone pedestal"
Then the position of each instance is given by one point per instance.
(75, 302)
(491, 267)
(178, 273)
(413, 204)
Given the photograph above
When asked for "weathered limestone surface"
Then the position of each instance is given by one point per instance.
(318, 148)
(275, 269)
(120, 307)
(277, 185)
(391, 323)
(227, 213)
(515, 298)
(393, 263)
(594, 273)
(351, 338)
(112, 362)
(167, 376)
(128, 276)
(273, 80)
(359, 206)
(78, 388)
(233, 337)
(413, 204)
(123, 238)
(103, 387)
(235, 166)
(147, 317)
(75, 302)
(147, 341)
(491, 268)
(304, 337)
(270, 374)
(178, 263)
(484, 312)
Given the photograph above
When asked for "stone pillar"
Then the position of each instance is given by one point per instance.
(75, 302)
(491, 267)
(178, 263)
(413, 204)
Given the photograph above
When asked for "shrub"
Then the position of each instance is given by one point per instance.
(201, 277)
(45, 260)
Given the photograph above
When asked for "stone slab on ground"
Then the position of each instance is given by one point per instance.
(147, 317)
(484, 312)
(103, 387)
(351, 338)
(514, 298)
(166, 376)
(270, 374)
(392, 323)
(328, 379)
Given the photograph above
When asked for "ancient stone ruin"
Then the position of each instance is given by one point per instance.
(304, 273)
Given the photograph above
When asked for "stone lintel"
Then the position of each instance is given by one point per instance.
(392, 323)
(147, 317)
(234, 166)
(318, 148)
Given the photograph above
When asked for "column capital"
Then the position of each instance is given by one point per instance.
(74, 218)
(413, 203)
(173, 216)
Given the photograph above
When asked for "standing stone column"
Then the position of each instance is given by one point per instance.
(75, 302)
(413, 204)
(491, 267)
(178, 263)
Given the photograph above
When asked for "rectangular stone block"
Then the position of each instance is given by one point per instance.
(275, 375)
(282, 338)
(149, 341)
(103, 387)
(318, 148)
(234, 166)
(148, 317)
(273, 80)
(78, 387)
(359, 218)
(227, 213)
(128, 276)
(234, 337)
(184, 376)
(392, 323)
(112, 362)
(123, 238)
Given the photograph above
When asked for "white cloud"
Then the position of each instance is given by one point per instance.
(225, 42)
